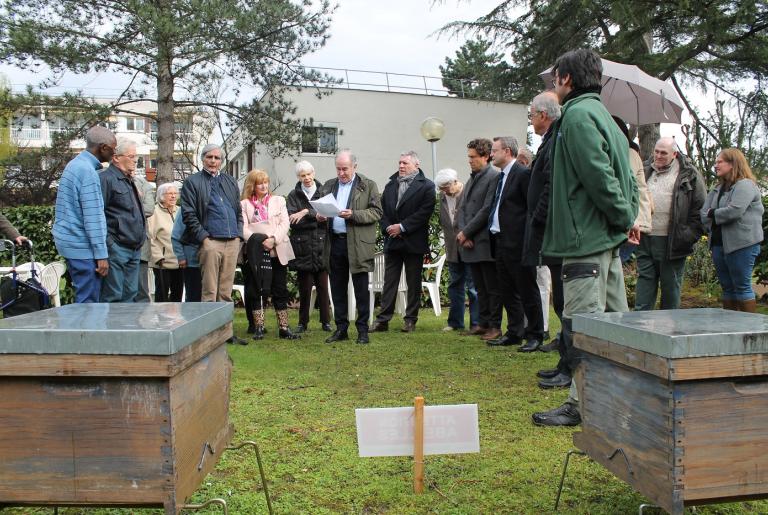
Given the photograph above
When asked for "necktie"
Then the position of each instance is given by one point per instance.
(496, 199)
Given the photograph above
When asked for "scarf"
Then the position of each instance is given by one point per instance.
(404, 182)
(260, 211)
(309, 192)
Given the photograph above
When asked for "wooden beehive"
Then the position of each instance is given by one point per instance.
(113, 405)
(674, 402)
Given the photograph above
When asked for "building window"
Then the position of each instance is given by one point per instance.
(319, 140)
(134, 124)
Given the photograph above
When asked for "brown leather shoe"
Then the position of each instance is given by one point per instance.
(491, 334)
(408, 327)
(379, 327)
(475, 330)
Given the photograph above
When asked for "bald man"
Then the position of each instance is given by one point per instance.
(80, 227)
(678, 192)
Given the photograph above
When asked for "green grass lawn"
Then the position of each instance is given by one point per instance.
(297, 399)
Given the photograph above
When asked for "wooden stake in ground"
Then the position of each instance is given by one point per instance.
(418, 445)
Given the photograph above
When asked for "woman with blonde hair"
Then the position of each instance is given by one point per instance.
(733, 214)
(268, 249)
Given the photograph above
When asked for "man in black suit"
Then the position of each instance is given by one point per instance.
(506, 222)
(408, 202)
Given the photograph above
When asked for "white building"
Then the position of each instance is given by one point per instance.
(378, 126)
(35, 129)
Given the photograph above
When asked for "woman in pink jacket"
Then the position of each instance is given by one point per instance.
(265, 229)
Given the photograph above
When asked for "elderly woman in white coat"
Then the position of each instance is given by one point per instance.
(265, 231)
(169, 279)
(733, 215)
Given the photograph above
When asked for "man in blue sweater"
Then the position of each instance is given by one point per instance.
(80, 228)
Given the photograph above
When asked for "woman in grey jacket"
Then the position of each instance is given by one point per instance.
(733, 214)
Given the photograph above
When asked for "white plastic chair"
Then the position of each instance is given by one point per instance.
(433, 286)
(50, 278)
(313, 296)
(151, 283)
(376, 284)
(25, 269)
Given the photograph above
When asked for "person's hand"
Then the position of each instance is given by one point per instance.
(320, 218)
(461, 238)
(269, 243)
(295, 217)
(182, 263)
(20, 240)
(345, 213)
(102, 267)
(468, 244)
(394, 230)
(634, 235)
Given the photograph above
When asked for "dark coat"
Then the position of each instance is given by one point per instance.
(538, 205)
(413, 213)
(195, 195)
(307, 235)
(685, 227)
(126, 224)
(513, 203)
(473, 214)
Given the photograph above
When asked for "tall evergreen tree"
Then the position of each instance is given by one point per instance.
(173, 50)
(710, 44)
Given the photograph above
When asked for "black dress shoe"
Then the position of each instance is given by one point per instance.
(337, 336)
(327, 327)
(285, 333)
(546, 336)
(300, 328)
(558, 381)
(504, 341)
(251, 329)
(565, 415)
(239, 341)
(379, 327)
(546, 373)
(408, 327)
(363, 338)
(258, 333)
(530, 346)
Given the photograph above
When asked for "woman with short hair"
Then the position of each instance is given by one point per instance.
(265, 231)
(308, 241)
(733, 214)
(169, 279)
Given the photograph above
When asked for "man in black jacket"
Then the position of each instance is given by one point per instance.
(408, 201)
(210, 208)
(506, 223)
(545, 110)
(126, 226)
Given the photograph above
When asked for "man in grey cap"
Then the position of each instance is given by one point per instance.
(210, 208)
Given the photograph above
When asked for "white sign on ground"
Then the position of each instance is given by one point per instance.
(449, 429)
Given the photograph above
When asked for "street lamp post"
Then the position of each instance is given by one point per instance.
(432, 129)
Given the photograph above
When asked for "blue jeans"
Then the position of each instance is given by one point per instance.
(85, 280)
(461, 281)
(122, 281)
(734, 271)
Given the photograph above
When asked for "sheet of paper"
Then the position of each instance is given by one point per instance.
(326, 206)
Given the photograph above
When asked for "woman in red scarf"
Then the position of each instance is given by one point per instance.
(265, 218)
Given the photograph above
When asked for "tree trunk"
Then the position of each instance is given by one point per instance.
(648, 135)
(166, 134)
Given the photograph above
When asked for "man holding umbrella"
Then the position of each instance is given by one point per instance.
(593, 205)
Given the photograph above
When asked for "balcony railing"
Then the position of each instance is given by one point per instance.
(20, 134)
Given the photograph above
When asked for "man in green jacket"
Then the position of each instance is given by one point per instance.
(593, 205)
(351, 244)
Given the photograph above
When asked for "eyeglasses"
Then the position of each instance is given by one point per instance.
(554, 83)
(132, 157)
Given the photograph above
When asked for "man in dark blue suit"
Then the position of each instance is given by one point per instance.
(506, 223)
(408, 201)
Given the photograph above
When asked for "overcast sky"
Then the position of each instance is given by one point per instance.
(393, 36)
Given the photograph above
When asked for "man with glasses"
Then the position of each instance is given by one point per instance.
(210, 209)
(126, 225)
(79, 228)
